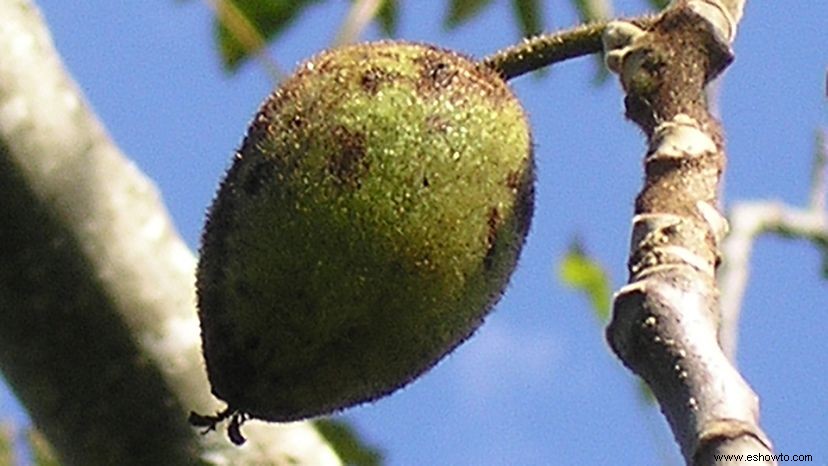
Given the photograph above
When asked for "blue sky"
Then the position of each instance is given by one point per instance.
(537, 384)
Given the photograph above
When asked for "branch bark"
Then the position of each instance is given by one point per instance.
(748, 221)
(665, 321)
(98, 330)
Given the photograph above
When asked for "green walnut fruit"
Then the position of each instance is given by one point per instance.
(370, 220)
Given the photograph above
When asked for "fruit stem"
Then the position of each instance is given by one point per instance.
(543, 50)
(233, 428)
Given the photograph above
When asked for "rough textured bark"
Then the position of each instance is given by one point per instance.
(98, 330)
(665, 321)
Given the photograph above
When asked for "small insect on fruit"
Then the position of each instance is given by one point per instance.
(370, 220)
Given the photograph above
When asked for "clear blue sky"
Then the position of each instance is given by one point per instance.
(537, 385)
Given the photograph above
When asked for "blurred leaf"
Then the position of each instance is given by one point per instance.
(6, 445)
(530, 16)
(585, 274)
(659, 4)
(388, 16)
(347, 443)
(360, 15)
(243, 27)
(42, 453)
(593, 10)
(461, 11)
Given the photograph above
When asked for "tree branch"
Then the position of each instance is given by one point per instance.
(547, 49)
(665, 321)
(98, 331)
(748, 221)
(543, 50)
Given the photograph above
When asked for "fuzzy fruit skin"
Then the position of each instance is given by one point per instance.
(369, 222)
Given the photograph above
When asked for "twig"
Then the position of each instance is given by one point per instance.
(819, 173)
(540, 51)
(749, 220)
(547, 49)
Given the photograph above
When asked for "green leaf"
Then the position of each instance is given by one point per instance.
(347, 443)
(530, 16)
(243, 27)
(583, 273)
(388, 17)
(593, 10)
(461, 11)
(659, 4)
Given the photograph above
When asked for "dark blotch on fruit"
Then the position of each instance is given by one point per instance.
(491, 237)
(374, 78)
(261, 174)
(435, 73)
(348, 163)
